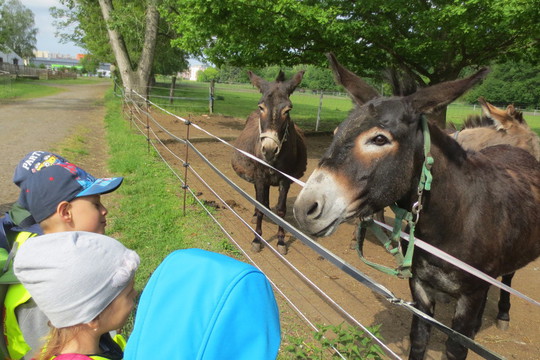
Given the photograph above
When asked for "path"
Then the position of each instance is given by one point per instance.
(40, 124)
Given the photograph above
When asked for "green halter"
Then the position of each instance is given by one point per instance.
(392, 243)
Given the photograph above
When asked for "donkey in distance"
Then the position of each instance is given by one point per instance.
(272, 136)
(482, 206)
(495, 127)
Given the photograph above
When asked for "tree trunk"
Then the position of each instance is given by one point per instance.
(134, 80)
(149, 47)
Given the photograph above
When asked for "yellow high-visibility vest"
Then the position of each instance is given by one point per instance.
(16, 295)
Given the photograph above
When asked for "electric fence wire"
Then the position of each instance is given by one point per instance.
(467, 342)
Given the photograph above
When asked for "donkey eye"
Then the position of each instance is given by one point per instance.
(380, 140)
(286, 111)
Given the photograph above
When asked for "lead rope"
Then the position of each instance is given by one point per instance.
(392, 244)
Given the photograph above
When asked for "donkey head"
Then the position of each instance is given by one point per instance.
(376, 154)
(274, 108)
(503, 120)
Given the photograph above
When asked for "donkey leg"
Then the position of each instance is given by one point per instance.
(262, 194)
(467, 319)
(420, 330)
(503, 317)
(480, 314)
(281, 210)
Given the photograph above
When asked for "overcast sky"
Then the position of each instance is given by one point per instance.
(46, 40)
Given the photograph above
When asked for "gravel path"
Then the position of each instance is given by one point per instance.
(40, 124)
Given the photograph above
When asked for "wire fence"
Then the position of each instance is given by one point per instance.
(144, 120)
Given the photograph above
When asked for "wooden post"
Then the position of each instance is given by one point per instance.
(171, 92)
(319, 112)
(211, 100)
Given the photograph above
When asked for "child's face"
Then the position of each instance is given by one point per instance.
(88, 214)
(116, 314)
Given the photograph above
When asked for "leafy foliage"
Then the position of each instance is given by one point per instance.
(432, 41)
(90, 32)
(17, 28)
(90, 63)
(349, 341)
(510, 82)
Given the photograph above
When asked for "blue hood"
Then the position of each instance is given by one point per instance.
(207, 306)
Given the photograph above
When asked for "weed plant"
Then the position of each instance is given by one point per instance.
(337, 342)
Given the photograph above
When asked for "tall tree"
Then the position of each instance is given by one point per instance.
(126, 33)
(133, 77)
(17, 29)
(429, 41)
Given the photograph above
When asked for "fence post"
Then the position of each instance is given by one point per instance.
(211, 100)
(186, 164)
(319, 112)
(171, 92)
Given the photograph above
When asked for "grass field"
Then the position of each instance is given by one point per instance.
(240, 100)
(22, 89)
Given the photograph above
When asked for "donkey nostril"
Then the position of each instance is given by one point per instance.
(313, 209)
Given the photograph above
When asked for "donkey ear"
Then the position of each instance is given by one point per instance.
(257, 81)
(430, 98)
(501, 119)
(280, 76)
(360, 91)
(295, 81)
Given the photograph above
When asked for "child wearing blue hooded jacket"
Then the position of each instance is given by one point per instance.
(200, 305)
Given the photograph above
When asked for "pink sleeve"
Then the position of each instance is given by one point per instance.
(72, 357)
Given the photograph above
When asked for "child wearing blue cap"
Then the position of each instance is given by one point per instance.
(60, 197)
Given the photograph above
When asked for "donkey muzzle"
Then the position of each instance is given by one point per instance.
(270, 145)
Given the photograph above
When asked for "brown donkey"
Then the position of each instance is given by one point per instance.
(482, 206)
(272, 136)
(497, 127)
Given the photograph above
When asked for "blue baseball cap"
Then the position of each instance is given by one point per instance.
(46, 179)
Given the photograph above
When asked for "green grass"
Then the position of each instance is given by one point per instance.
(24, 89)
(149, 215)
(147, 211)
(239, 100)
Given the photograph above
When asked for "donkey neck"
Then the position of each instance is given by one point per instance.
(449, 159)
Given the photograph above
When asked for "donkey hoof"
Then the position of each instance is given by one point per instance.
(352, 246)
(282, 249)
(256, 247)
(502, 324)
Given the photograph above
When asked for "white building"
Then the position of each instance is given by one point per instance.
(11, 58)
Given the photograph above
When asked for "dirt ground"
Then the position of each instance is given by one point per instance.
(42, 123)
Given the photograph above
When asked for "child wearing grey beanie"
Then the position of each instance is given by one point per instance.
(83, 282)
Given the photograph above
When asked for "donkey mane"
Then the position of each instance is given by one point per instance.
(476, 121)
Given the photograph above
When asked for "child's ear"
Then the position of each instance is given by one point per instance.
(64, 210)
(94, 324)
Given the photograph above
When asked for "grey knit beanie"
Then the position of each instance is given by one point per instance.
(73, 276)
